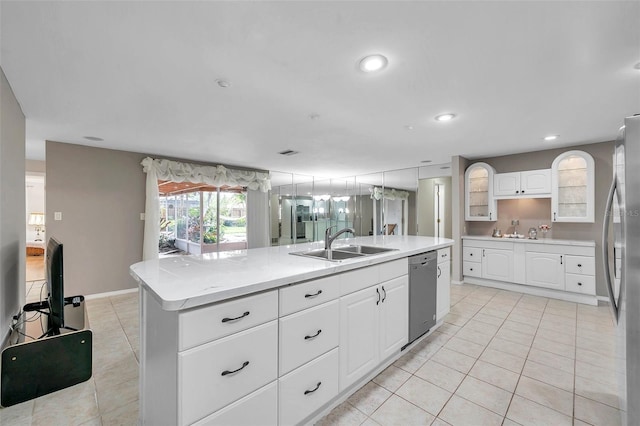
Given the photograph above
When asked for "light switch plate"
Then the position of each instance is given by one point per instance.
(141, 216)
(57, 215)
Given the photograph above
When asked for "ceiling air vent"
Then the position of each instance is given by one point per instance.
(288, 152)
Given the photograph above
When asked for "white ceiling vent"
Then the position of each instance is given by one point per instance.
(288, 152)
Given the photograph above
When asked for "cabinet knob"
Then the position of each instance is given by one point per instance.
(471, 269)
(579, 265)
(579, 283)
(523, 191)
(517, 192)
(470, 254)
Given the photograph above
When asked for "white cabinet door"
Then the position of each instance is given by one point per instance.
(480, 205)
(443, 302)
(359, 334)
(506, 184)
(573, 187)
(394, 316)
(545, 270)
(497, 264)
(535, 182)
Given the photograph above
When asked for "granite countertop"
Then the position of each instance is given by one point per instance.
(188, 281)
(582, 243)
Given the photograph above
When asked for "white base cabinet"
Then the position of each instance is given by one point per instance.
(374, 324)
(564, 269)
(443, 283)
(278, 357)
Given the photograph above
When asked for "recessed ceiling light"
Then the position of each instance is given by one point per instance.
(223, 83)
(448, 116)
(373, 63)
(314, 116)
(551, 137)
(408, 127)
(427, 161)
(93, 138)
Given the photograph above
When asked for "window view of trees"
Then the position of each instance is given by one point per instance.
(204, 220)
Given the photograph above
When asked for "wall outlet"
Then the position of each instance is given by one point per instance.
(57, 216)
(515, 222)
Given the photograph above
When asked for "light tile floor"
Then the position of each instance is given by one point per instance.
(500, 358)
(110, 397)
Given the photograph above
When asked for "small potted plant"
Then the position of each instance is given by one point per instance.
(544, 229)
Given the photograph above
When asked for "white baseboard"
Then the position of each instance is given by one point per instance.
(111, 293)
(457, 282)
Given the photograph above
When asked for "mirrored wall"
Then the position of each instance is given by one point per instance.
(304, 207)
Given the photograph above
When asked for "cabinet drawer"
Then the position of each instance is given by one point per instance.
(580, 265)
(473, 254)
(444, 254)
(311, 293)
(472, 269)
(393, 269)
(308, 388)
(258, 408)
(208, 323)
(206, 381)
(358, 279)
(307, 334)
(580, 283)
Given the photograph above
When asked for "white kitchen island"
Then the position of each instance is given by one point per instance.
(260, 336)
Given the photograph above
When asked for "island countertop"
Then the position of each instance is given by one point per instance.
(184, 282)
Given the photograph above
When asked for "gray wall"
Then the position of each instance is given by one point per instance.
(12, 208)
(534, 211)
(101, 194)
(426, 206)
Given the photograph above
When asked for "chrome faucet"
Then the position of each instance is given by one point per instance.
(328, 238)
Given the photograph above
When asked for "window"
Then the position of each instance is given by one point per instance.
(202, 218)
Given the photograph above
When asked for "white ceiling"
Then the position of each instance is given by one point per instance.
(142, 76)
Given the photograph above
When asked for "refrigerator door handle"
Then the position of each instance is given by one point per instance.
(605, 252)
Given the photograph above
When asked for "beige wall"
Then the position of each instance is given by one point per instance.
(35, 166)
(101, 194)
(534, 212)
(12, 208)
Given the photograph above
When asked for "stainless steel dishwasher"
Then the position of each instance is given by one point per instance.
(422, 293)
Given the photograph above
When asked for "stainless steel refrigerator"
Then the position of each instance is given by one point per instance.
(622, 261)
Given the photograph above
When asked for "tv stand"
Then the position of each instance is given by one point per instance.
(62, 357)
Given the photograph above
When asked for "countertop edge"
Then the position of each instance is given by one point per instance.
(583, 243)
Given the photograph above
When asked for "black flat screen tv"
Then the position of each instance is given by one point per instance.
(55, 286)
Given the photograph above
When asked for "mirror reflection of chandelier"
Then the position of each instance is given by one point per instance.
(37, 220)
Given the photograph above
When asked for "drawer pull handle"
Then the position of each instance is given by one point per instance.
(307, 392)
(579, 265)
(439, 272)
(314, 294)
(226, 372)
(579, 283)
(561, 260)
(315, 335)
(385, 294)
(236, 318)
(378, 301)
(471, 269)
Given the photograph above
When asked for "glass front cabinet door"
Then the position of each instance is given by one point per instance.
(572, 187)
(479, 202)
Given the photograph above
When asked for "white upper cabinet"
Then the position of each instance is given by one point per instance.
(529, 184)
(480, 204)
(572, 187)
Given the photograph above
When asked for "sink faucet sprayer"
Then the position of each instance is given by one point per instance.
(328, 238)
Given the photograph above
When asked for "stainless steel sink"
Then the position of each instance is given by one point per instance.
(364, 249)
(342, 253)
(328, 254)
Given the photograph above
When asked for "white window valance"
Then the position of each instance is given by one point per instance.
(176, 171)
(388, 193)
